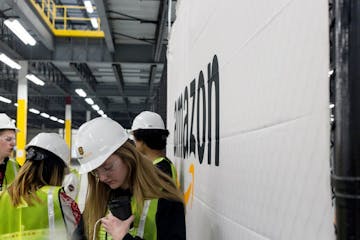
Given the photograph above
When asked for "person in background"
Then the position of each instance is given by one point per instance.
(35, 206)
(117, 171)
(8, 166)
(149, 133)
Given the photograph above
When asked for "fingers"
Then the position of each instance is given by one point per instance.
(130, 219)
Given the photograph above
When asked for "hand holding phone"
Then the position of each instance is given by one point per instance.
(120, 207)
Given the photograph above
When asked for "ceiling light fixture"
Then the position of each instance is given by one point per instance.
(35, 79)
(45, 115)
(8, 61)
(94, 22)
(89, 101)
(95, 107)
(18, 29)
(80, 92)
(61, 121)
(4, 99)
(88, 6)
(54, 118)
(33, 110)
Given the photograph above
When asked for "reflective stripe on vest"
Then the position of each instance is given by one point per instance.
(144, 224)
(51, 212)
(33, 222)
(173, 169)
(141, 228)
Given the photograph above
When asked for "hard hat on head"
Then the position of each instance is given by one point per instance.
(96, 140)
(53, 143)
(148, 120)
(6, 122)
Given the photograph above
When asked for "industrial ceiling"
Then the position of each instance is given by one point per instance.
(121, 65)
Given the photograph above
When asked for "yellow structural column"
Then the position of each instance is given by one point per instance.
(68, 121)
(21, 119)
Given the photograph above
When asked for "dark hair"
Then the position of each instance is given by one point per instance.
(48, 164)
(153, 138)
(34, 174)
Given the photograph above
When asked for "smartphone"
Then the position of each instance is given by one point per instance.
(120, 207)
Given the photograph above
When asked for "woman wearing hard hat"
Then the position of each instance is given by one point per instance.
(8, 166)
(122, 181)
(35, 206)
(149, 133)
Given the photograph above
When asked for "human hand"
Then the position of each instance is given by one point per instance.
(116, 227)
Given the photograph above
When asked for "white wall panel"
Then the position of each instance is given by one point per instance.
(272, 181)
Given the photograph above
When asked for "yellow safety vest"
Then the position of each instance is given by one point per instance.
(144, 222)
(38, 222)
(173, 169)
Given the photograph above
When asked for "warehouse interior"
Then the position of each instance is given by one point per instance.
(113, 50)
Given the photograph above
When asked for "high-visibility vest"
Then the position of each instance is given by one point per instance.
(11, 170)
(173, 169)
(40, 221)
(144, 222)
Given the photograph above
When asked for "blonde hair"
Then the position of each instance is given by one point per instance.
(145, 180)
(33, 175)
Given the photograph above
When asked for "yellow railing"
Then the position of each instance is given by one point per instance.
(50, 13)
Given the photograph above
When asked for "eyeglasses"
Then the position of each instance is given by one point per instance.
(105, 170)
(33, 154)
(8, 139)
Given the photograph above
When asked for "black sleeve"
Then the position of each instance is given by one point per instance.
(165, 167)
(170, 220)
(79, 233)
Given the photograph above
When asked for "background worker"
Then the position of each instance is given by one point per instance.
(8, 166)
(149, 134)
(35, 206)
(117, 171)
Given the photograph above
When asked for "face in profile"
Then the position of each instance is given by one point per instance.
(7, 142)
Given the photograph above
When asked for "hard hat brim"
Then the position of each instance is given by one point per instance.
(97, 162)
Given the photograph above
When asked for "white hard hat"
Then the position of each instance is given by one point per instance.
(6, 122)
(53, 143)
(96, 140)
(148, 120)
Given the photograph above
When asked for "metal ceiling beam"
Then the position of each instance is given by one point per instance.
(151, 84)
(160, 30)
(117, 107)
(100, 8)
(85, 74)
(92, 50)
(105, 90)
(140, 53)
(120, 85)
(52, 75)
(63, 86)
(81, 50)
(31, 20)
(4, 48)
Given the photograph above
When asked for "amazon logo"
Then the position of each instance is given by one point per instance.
(197, 121)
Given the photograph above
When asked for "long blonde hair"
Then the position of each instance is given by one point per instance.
(145, 180)
(33, 175)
